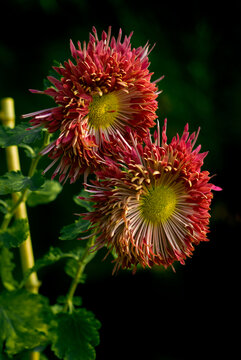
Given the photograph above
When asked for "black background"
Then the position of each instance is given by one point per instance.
(155, 314)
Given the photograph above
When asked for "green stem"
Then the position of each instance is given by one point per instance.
(8, 216)
(24, 195)
(35, 161)
(83, 261)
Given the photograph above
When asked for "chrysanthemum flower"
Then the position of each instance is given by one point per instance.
(153, 207)
(108, 88)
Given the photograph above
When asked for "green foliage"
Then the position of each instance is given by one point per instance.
(54, 255)
(77, 300)
(83, 257)
(24, 319)
(15, 181)
(75, 335)
(4, 206)
(27, 321)
(72, 231)
(71, 268)
(85, 203)
(16, 234)
(6, 269)
(19, 135)
(47, 193)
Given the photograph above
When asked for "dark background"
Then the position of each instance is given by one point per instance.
(155, 314)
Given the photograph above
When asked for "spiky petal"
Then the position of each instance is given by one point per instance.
(153, 206)
(106, 89)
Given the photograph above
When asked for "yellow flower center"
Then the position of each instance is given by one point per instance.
(158, 204)
(103, 110)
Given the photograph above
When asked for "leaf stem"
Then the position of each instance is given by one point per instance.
(35, 160)
(83, 261)
(7, 218)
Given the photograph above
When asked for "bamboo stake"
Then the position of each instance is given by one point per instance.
(13, 164)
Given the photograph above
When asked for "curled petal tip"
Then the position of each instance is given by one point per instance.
(216, 188)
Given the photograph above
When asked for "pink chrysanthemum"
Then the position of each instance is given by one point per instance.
(108, 88)
(153, 207)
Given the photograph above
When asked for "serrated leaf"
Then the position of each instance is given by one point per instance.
(75, 335)
(47, 193)
(73, 231)
(6, 269)
(24, 319)
(15, 181)
(19, 135)
(54, 254)
(15, 235)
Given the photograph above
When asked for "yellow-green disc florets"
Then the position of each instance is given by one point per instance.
(158, 204)
(103, 110)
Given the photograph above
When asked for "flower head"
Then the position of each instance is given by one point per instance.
(153, 207)
(107, 88)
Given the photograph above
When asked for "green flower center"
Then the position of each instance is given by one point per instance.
(103, 110)
(158, 204)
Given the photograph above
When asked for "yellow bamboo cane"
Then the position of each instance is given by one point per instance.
(7, 115)
(13, 164)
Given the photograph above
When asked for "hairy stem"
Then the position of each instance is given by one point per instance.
(83, 261)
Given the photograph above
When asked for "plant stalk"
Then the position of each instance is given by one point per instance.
(19, 208)
(83, 261)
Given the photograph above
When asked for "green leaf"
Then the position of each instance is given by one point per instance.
(72, 264)
(72, 231)
(61, 302)
(55, 254)
(15, 181)
(29, 151)
(71, 268)
(47, 193)
(83, 203)
(24, 319)
(16, 234)
(77, 300)
(4, 206)
(6, 269)
(36, 181)
(75, 335)
(19, 135)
